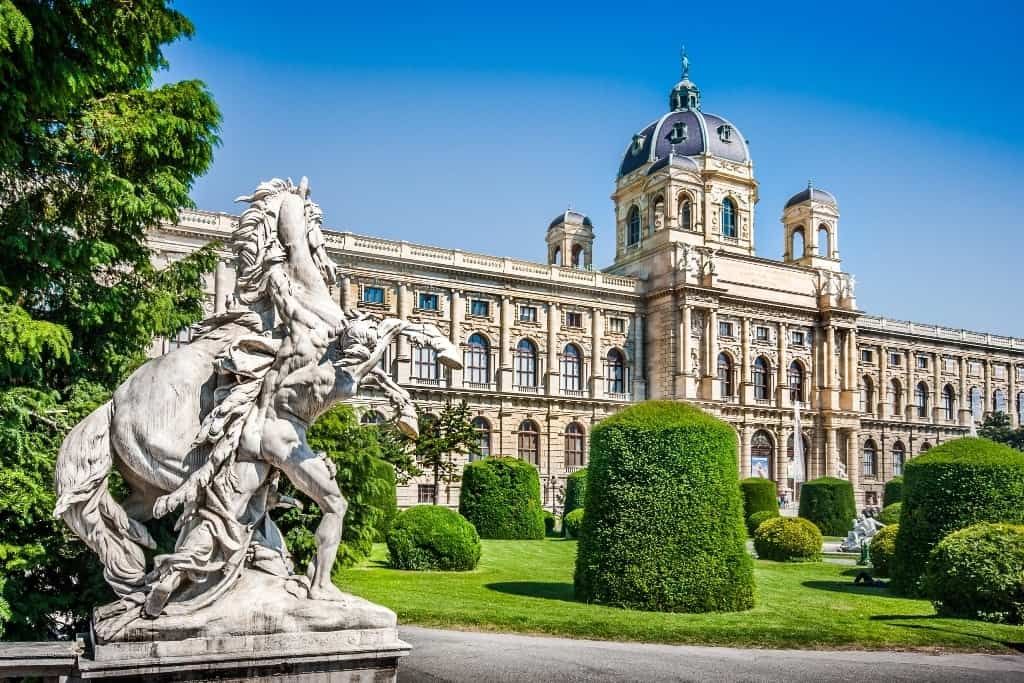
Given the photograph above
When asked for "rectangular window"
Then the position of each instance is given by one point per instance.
(617, 325)
(974, 369)
(573, 319)
(950, 364)
(428, 302)
(480, 308)
(797, 338)
(895, 359)
(426, 493)
(528, 314)
(424, 364)
(867, 356)
(999, 371)
(922, 362)
(724, 329)
(762, 333)
(373, 295)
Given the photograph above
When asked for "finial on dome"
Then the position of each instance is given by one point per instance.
(686, 94)
(810, 184)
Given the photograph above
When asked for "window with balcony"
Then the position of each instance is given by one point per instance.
(477, 360)
(572, 369)
(525, 362)
(761, 376)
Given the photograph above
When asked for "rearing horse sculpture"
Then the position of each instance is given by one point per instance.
(210, 426)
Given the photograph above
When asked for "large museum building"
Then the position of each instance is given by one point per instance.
(686, 311)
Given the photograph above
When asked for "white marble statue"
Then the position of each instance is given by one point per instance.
(864, 529)
(210, 427)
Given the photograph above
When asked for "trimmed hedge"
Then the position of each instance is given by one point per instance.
(575, 491)
(759, 495)
(664, 525)
(385, 499)
(755, 520)
(978, 573)
(501, 498)
(893, 492)
(890, 514)
(433, 537)
(828, 502)
(952, 486)
(786, 539)
(882, 548)
(549, 523)
(572, 523)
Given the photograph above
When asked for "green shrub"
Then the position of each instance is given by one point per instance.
(572, 523)
(664, 526)
(893, 491)
(978, 573)
(890, 514)
(882, 548)
(787, 538)
(755, 520)
(828, 503)
(952, 486)
(575, 491)
(433, 537)
(549, 523)
(384, 498)
(759, 495)
(501, 498)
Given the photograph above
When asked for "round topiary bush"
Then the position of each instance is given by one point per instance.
(572, 523)
(952, 486)
(890, 514)
(785, 539)
(882, 548)
(759, 495)
(501, 498)
(575, 491)
(893, 492)
(664, 524)
(978, 573)
(828, 503)
(433, 537)
(755, 520)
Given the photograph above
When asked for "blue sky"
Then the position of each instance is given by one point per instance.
(470, 126)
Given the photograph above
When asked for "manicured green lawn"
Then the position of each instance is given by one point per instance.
(526, 586)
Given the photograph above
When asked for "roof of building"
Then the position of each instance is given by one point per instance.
(572, 218)
(810, 192)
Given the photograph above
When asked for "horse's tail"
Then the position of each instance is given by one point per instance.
(85, 503)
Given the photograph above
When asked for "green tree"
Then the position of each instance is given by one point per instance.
(91, 157)
(441, 438)
(996, 427)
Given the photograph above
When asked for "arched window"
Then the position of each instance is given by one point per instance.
(728, 218)
(921, 399)
(483, 432)
(657, 215)
(577, 256)
(762, 455)
(925, 447)
(686, 213)
(477, 360)
(975, 403)
(949, 402)
(371, 417)
(526, 364)
(899, 457)
(571, 368)
(870, 459)
(796, 244)
(633, 226)
(760, 376)
(824, 241)
(424, 364)
(725, 375)
(615, 372)
(999, 401)
(896, 398)
(529, 442)
(867, 395)
(556, 256)
(796, 381)
(575, 455)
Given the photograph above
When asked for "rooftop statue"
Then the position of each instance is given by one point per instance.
(209, 428)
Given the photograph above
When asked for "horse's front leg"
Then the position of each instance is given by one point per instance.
(284, 446)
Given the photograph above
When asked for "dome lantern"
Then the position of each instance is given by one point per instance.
(685, 94)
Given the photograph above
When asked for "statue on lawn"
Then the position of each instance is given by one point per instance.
(864, 529)
(210, 427)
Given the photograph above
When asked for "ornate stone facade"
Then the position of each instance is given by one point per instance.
(686, 311)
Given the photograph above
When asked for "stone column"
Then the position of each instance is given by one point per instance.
(830, 357)
(883, 381)
(711, 362)
(965, 398)
(851, 344)
(403, 355)
(1011, 400)
(743, 387)
(553, 350)
(986, 397)
(685, 345)
(220, 287)
(505, 350)
(831, 452)
(457, 310)
(781, 388)
(746, 434)
(936, 393)
(345, 285)
(639, 392)
(596, 333)
(853, 466)
(909, 409)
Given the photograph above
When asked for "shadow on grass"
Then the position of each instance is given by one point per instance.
(549, 590)
(852, 589)
(1016, 645)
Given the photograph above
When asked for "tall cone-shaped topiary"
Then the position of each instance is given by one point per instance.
(663, 528)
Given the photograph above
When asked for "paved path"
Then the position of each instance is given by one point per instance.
(454, 656)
